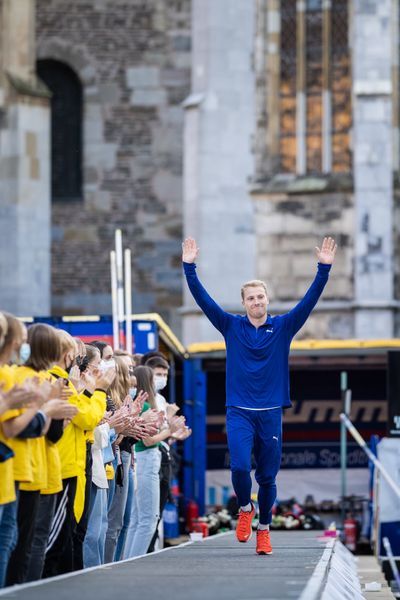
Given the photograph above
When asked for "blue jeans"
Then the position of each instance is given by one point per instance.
(261, 432)
(111, 485)
(146, 504)
(117, 509)
(127, 516)
(8, 536)
(93, 545)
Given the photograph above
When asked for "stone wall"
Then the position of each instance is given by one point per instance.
(373, 137)
(396, 252)
(288, 227)
(219, 127)
(294, 212)
(133, 58)
(24, 167)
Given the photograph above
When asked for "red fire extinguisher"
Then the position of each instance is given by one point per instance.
(192, 513)
(350, 533)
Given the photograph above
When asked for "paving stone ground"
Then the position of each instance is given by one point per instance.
(369, 570)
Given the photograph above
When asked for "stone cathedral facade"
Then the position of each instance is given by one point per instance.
(257, 126)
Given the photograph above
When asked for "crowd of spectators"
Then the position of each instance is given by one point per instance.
(85, 461)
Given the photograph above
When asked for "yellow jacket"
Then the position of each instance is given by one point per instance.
(72, 445)
(7, 484)
(43, 454)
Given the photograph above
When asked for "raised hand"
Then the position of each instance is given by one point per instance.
(326, 254)
(190, 250)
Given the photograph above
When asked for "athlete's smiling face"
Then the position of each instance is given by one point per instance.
(255, 301)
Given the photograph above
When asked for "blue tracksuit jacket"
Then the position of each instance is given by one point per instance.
(257, 360)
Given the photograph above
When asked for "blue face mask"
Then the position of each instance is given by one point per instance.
(23, 356)
(132, 392)
(24, 352)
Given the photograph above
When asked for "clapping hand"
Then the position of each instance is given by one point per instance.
(105, 378)
(172, 409)
(136, 428)
(119, 419)
(176, 423)
(182, 434)
(75, 378)
(137, 404)
(56, 389)
(59, 409)
(16, 397)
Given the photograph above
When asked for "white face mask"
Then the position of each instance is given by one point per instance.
(132, 392)
(107, 364)
(160, 381)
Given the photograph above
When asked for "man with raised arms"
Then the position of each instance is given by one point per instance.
(257, 382)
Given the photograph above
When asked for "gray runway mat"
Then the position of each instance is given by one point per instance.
(217, 569)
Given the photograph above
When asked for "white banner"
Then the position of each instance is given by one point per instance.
(389, 502)
(323, 484)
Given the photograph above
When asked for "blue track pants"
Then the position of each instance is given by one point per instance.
(259, 431)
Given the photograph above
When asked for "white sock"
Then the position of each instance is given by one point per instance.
(263, 527)
(247, 508)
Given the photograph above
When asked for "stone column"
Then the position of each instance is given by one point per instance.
(218, 162)
(24, 167)
(373, 168)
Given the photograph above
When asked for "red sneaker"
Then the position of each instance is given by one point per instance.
(263, 542)
(243, 528)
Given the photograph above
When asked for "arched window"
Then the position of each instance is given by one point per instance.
(315, 87)
(66, 129)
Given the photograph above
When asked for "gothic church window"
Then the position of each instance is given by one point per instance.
(66, 129)
(314, 87)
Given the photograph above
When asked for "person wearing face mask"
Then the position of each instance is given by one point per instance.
(36, 496)
(102, 455)
(7, 485)
(44, 345)
(160, 368)
(90, 404)
(106, 352)
(146, 503)
(21, 430)
(91, 355)
(123, 451)
(18, 468)
(127, 445)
